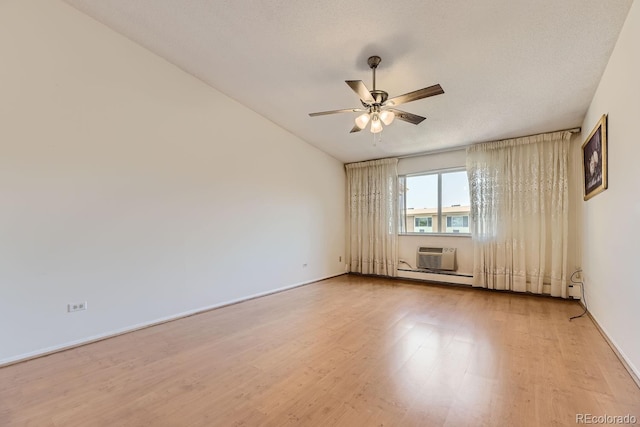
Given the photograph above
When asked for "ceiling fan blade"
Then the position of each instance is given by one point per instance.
(355, 129)
(359, 87)
(407, 117)
(415, 95)
(347, 110)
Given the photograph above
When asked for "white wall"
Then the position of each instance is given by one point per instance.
(408, 244)
(129, 184)
(612, 218)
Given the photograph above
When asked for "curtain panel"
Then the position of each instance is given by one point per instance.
(372, 191)
(519, 212)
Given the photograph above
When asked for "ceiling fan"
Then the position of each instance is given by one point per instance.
(378, 108)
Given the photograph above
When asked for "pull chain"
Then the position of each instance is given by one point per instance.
(379, 135)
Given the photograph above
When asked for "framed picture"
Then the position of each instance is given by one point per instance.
(594, 160)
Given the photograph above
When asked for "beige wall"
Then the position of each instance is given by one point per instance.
(612, 242)
(129, 184)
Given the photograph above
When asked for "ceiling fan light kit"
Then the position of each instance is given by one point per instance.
(376, 124)
(387, 117)
(362, 120)
(378, 108)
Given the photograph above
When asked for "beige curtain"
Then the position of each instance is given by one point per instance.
(372, 191)
(520, 213)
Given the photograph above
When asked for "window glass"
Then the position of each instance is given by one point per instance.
(435, 203)
(421, 193)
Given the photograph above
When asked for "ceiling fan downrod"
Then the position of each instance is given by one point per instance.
(373, 62)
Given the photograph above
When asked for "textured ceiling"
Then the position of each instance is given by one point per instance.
(508, 67)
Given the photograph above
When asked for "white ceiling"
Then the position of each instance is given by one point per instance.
(508, 67)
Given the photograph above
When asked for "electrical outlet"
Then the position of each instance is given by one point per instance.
(76, 306)
(575, 291)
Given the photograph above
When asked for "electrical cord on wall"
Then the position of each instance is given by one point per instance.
(405, 262)
(584, 299)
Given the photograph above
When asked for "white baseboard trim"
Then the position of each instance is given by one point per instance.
(434, 277)
(84, 341)
(633, 371)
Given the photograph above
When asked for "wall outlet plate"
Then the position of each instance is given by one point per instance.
(575, 291)
(76, 306)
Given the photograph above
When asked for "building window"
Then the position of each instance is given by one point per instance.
(457, 223)
(436, 202)
(423, 224)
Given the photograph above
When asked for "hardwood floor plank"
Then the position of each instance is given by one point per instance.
(348, 351)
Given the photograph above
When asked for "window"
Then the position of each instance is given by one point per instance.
(457, 224)
(423, 224)
(436, 202)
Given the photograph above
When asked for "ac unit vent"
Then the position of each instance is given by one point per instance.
(436, 258)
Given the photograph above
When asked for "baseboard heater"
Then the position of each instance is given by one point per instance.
(430, 258)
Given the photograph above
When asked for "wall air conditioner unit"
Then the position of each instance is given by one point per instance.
(436, 258)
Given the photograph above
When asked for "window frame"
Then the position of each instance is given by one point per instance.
(403, 208)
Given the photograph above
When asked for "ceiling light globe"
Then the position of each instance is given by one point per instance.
(376, 125)
(362, 120)
(387, 117)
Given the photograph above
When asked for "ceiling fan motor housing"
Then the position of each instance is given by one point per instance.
(379, 96)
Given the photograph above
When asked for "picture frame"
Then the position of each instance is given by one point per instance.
(594, 160)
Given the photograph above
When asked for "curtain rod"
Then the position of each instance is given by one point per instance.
(462, 147)
(572, 130)
(442, 150)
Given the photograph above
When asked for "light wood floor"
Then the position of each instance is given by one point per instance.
(349, 351)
